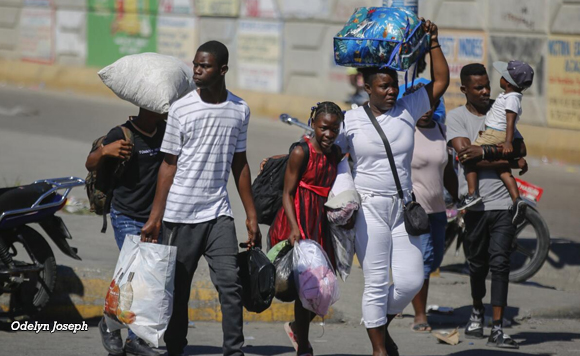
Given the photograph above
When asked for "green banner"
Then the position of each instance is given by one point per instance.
(118, 28)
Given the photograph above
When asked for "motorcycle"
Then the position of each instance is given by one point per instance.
(532, 242)
(27, 263)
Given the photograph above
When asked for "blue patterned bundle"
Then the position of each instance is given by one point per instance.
(381, 37)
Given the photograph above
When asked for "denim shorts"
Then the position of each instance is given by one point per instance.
(433, 243)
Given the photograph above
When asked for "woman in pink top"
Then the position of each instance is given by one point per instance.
(431, 171)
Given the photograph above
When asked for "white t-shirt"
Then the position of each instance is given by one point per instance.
(371, 170)
(496, 116)
(205, 137)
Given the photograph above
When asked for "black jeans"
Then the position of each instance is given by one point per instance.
(216, 241)
(487, 246)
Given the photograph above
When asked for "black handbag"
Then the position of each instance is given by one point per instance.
(416, 219)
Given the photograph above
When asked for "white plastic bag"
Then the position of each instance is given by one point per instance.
(316, 283)
(140, 296)
(343, 243)
(342, 204)
(149, 80)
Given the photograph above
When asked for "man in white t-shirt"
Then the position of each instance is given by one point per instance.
(206, 136)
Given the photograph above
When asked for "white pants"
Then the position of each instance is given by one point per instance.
(381, 244)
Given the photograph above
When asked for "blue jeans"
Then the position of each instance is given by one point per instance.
(433, 243)
(123, 225)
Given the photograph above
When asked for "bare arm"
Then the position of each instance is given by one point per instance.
(150, 232)
(243, 179)
(291, 181)
(450, 179)
(120, 149)
(439, 66)
(509, 133)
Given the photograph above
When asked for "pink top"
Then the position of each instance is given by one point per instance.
(427, 167)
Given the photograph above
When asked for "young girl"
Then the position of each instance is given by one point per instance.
(302, 215)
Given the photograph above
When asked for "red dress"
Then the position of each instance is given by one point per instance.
(311, 195)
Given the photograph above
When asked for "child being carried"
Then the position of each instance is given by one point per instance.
(500, 127)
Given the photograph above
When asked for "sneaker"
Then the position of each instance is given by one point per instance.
(474, 328)
(139, 347)
(519, 211)
(499, 339)
(468, 201)
(112, 341)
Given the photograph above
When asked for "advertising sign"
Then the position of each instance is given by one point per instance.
(36, 42)
(130, 29)
(222, 8)
(176, 36)
(461, 48)
(563, 82)
(259, 53)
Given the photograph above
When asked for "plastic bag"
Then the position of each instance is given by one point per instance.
(285, 284)
(149, 80)
(140, 296)
(342, 204)
(258, 275)
(275, 251)
(316, 283)
(343, 242)
(381, 36)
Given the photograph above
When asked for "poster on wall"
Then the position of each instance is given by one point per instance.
(563, 82)
(71, 37)
(259, 55)
(127, 30)
(36, 42)
(306, 9)
(176, 36)
(140, 6)
(460, 48)
(221, 8)
(265, 9)
(176, 7)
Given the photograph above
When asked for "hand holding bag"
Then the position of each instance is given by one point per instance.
(416, 219)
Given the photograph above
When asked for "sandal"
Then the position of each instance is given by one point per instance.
(421, 328)
(292, 337)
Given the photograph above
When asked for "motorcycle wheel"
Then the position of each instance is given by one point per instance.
(33, 295)
(531, 247)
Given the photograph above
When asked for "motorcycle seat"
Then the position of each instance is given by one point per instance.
(23, 197)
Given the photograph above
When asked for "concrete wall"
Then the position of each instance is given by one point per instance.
(285, 46)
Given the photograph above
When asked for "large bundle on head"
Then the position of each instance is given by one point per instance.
(379, 37)
(149, 80)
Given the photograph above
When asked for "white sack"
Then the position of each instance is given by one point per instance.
(146, 306)
(149, 80)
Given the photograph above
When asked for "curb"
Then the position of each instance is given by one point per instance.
(79, 295)
(556, 144)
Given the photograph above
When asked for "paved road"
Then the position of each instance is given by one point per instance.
(540, 337)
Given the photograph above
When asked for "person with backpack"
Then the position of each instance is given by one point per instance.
(206, 138)
(127, 164)
(303, 215)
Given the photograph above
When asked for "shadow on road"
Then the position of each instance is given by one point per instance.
(460, 317)
(563, 253)
(535, 338)
(488, 352)
(252, 350)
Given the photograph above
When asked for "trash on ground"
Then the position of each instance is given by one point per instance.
(447, 337)
(436, 309)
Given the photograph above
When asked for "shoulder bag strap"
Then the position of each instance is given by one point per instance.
(387, 149)
(441, 130)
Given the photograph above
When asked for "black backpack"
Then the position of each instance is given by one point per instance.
(257, 275)
(269, 184)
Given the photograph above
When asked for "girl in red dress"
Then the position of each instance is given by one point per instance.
(302, 215)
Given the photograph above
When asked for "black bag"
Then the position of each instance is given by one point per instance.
(416, 219)
(268, 186)
(257, 275)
